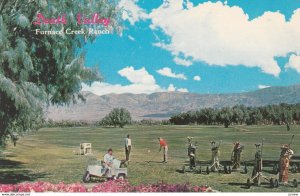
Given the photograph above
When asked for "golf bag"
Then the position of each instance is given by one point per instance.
(236, 155)
(215, 153)
(257, 161)
(191, 153)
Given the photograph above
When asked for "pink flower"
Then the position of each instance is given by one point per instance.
(108, 186)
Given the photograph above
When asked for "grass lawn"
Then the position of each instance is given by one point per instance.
(48, 155)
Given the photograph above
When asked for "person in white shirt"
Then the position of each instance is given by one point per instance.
(108, 162)
(127, 147)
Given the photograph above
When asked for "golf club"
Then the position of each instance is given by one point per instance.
(292, 139)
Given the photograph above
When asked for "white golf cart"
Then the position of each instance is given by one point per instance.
(99, 171)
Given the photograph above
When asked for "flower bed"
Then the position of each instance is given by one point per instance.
(108, 186)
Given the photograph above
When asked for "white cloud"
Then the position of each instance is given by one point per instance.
(183, 90)
(197, 78)
(131, 38)
(222, 35)
(172, 88)
(139, 76)
(141, 82)
(166, 71)
(261, 86)
(294, 63)
(183, 62)
(131, 11)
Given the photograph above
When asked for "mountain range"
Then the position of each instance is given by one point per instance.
(162, 105)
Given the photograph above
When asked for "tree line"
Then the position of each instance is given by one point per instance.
(237, 115)
(240, 114)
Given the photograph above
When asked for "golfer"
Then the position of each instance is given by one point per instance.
(127, 147)
(108, 163)
(163, 145)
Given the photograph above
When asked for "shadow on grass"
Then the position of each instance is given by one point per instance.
(14, 177)
(13, 172)
(241, 185)
(244, 185)
(154, 161)
(7, 164)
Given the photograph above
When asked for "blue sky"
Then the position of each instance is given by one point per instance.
(200, 47)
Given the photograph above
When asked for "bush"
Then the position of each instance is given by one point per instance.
(117, 117)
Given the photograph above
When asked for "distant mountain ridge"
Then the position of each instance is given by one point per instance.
(163, 104)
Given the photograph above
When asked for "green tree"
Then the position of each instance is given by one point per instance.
(238, 114)
(117, 117)
(208, 115)
(225, 116)
(255, 116)
(38, 70)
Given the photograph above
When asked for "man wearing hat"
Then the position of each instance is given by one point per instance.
(285, 156)
(163, 145)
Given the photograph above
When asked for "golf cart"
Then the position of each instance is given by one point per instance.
(236, 157)
(191, 152)
(294, 161)
(216, 166)
(98, 171)
(294, 165)
(257, 174)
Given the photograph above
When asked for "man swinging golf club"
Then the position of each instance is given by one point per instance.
(163, 145)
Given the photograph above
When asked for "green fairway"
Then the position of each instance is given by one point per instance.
(48, 155)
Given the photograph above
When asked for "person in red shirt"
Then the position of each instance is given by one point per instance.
(163, 145)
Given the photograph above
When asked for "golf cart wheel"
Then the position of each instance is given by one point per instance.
(229, 170)
(86, 177)
(199, 170)
(275, 168)
(245, 169)
(258, 181)
(183, 169)
(294, 168)
(295, 183)
(276, 183)
(254, 172)
(248, 184)
(121, 176)
(225, 169)
(207, 170)
(272, 183)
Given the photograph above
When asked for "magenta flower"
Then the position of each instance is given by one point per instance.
(108, 186)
